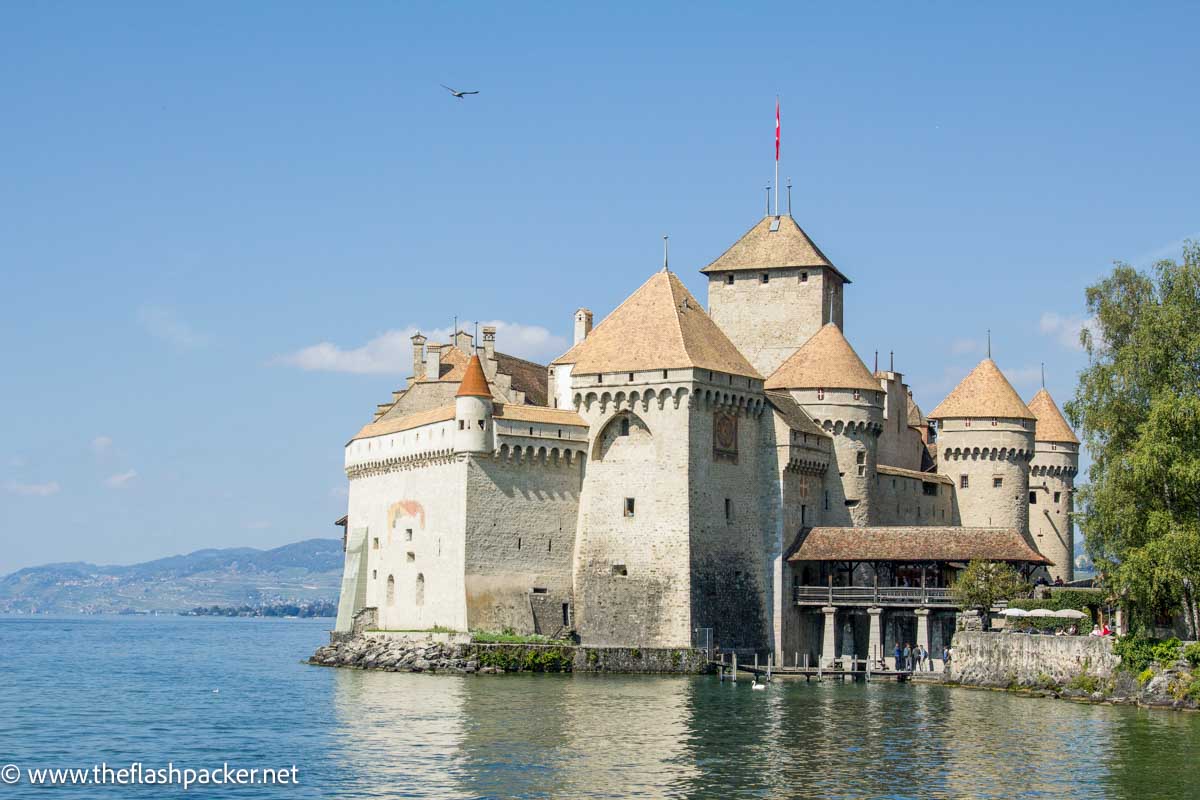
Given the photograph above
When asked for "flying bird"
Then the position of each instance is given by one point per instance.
(455, 92)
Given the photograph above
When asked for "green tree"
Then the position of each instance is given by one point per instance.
(1137, 406)
(984, 583)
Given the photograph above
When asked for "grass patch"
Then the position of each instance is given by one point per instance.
(509, 637)
(434, 629)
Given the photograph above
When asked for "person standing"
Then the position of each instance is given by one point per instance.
(908, 658)
(946, 658)
(897, 663)
(917, 656)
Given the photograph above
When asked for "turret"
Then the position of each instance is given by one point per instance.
(828, 379)
(1052, 486)
(473, 411)
(985, 444)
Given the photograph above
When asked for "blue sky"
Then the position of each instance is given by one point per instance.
(218, 220)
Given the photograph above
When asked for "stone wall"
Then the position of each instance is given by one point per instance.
(901, 500)
(769, 321)
(985, 453)
(1013, 659)
(521, 520)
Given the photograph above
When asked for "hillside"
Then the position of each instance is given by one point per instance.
(308, 570)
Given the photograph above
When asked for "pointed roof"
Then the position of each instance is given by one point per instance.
(660, 326)
(474, 382)
(915, 418)
(985, 392)
(825, 361)
(1052, 426)
(773, 242)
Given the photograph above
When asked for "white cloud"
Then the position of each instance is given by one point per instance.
(391, 352)
(162, 323)
(1066, 328)
(101, 444)
(33, 489)
(961, 346)
(122, 480)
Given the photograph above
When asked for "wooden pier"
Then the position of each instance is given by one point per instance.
(854, 669)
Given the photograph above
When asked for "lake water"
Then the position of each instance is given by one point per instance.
(78, 692)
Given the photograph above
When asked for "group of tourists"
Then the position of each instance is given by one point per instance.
(918, 659)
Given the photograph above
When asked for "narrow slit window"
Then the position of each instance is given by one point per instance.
(629, 505)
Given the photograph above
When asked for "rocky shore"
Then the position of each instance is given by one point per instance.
(400, 654)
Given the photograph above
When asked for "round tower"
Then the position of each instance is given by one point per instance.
(473, 411)
(984, 444)
(828, 379)
(1052, 486)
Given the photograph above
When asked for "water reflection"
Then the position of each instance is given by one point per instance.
(594, 736)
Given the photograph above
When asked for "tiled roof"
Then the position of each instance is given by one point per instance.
(761, 247)
(552, 416)
(901, 472)
(527, 376)
(474, 382)
(983, 393)
(1052, 426)
(915, 544)
(384, 427)
(795, 416)
(660, 326)
(826, 361)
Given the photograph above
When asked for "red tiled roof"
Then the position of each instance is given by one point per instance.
(901, 543)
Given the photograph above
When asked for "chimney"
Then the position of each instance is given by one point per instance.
(583, 324)
(489, 342)
(418, 342)
(433, 362)
(464, 341)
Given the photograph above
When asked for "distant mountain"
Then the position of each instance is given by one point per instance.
(236, 576)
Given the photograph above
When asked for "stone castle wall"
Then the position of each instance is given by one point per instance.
(998, 659)
(901, 500)
(632, 570)
(522, 512)
(1052, 472)
(770, 321)
(985, 453)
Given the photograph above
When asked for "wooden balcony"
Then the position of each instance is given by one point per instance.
(866, 596)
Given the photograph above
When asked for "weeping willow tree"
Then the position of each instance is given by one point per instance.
(1138, 408)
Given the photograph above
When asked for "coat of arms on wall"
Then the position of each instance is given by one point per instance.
(725, 436)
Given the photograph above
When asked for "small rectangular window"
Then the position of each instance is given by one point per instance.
(728, 509)
(997, 483)
(804, 277)
(629, 506)
(1033, 498)
(619, 570)
(462, 423)
(766, 278)
(964, 481)
(1057, 496)
(929, 489)
(538, 590)
(408, 534)
(375, 543)
(664, 374)
(861, 458)
(729, 279)
(631, 376)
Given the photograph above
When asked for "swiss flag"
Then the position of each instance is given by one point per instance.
(776, 129)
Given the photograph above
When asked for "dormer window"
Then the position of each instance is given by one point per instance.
(820, 394)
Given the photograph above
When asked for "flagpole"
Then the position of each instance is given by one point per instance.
(777, 155)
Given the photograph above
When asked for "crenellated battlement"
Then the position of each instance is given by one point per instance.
(987, 454)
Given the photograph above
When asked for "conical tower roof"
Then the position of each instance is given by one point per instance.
(826, 361)
(772, 242)
(660, 326)
(474, 382)
(1052, 426)
(985, 392)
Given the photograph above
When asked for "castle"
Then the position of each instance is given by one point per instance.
(735, 476)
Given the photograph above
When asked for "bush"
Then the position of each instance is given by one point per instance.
(1145, 675)
(533, 659)
(1192, 654)
(509, 636)
(1138, 653)
(1085, 683)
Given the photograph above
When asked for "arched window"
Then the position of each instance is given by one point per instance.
(420, 589)
(391, 590)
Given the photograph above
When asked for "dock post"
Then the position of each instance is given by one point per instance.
(770, 659)
(755, 661)
(796, 663)
(733, 674)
